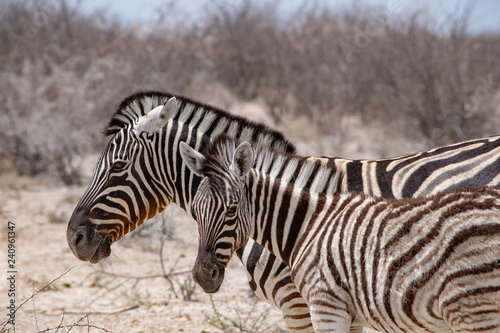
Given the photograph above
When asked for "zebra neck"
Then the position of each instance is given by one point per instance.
(182, 181)
(284, 208)
(197, 125)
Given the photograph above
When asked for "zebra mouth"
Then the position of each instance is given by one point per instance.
(208, 272)
(210, 286)
(103, 251)
(88, 245)
(212, 291)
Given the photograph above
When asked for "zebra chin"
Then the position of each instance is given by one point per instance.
(208, 272)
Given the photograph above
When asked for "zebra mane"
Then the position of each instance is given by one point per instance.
(140, 103)
(290, 167)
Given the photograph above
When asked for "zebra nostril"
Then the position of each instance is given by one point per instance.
(80, 239)
(215, 273)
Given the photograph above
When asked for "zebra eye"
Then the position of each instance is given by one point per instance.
(118, 166)
(232, 210)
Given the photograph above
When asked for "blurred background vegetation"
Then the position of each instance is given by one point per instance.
(64, 72)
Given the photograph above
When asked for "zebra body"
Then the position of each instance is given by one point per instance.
(137, 175)
(428, 264)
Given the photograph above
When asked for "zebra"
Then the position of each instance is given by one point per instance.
(136, 167)
(429, 264)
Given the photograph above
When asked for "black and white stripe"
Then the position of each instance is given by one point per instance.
(429, 264)
(138, 175)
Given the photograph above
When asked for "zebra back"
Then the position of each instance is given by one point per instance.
(468, 163)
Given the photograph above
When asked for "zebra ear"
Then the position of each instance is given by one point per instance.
(157, 118)
(192, 158)
(242, 159)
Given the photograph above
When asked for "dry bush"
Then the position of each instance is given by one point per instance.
(440, 84)
(61, 77)
(315, 70)
(291, 63)
(377, 63)
(63, 73)
(51, 84)
(243, 45)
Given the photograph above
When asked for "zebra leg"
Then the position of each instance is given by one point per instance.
(326, 319)
(271, 281)
(329, 313)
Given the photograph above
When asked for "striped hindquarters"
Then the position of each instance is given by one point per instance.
(411, 264)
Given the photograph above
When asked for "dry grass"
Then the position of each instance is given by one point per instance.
(82, 322)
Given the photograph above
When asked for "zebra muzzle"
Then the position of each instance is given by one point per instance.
(85, 243)
(208, 272)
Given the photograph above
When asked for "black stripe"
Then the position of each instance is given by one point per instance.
(354, 176)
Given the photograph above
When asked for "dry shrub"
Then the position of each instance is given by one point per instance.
(62, 73)
(440, 84)
(379, 63)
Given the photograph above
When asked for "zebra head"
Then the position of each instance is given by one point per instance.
(124, 189)
(219, 206)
